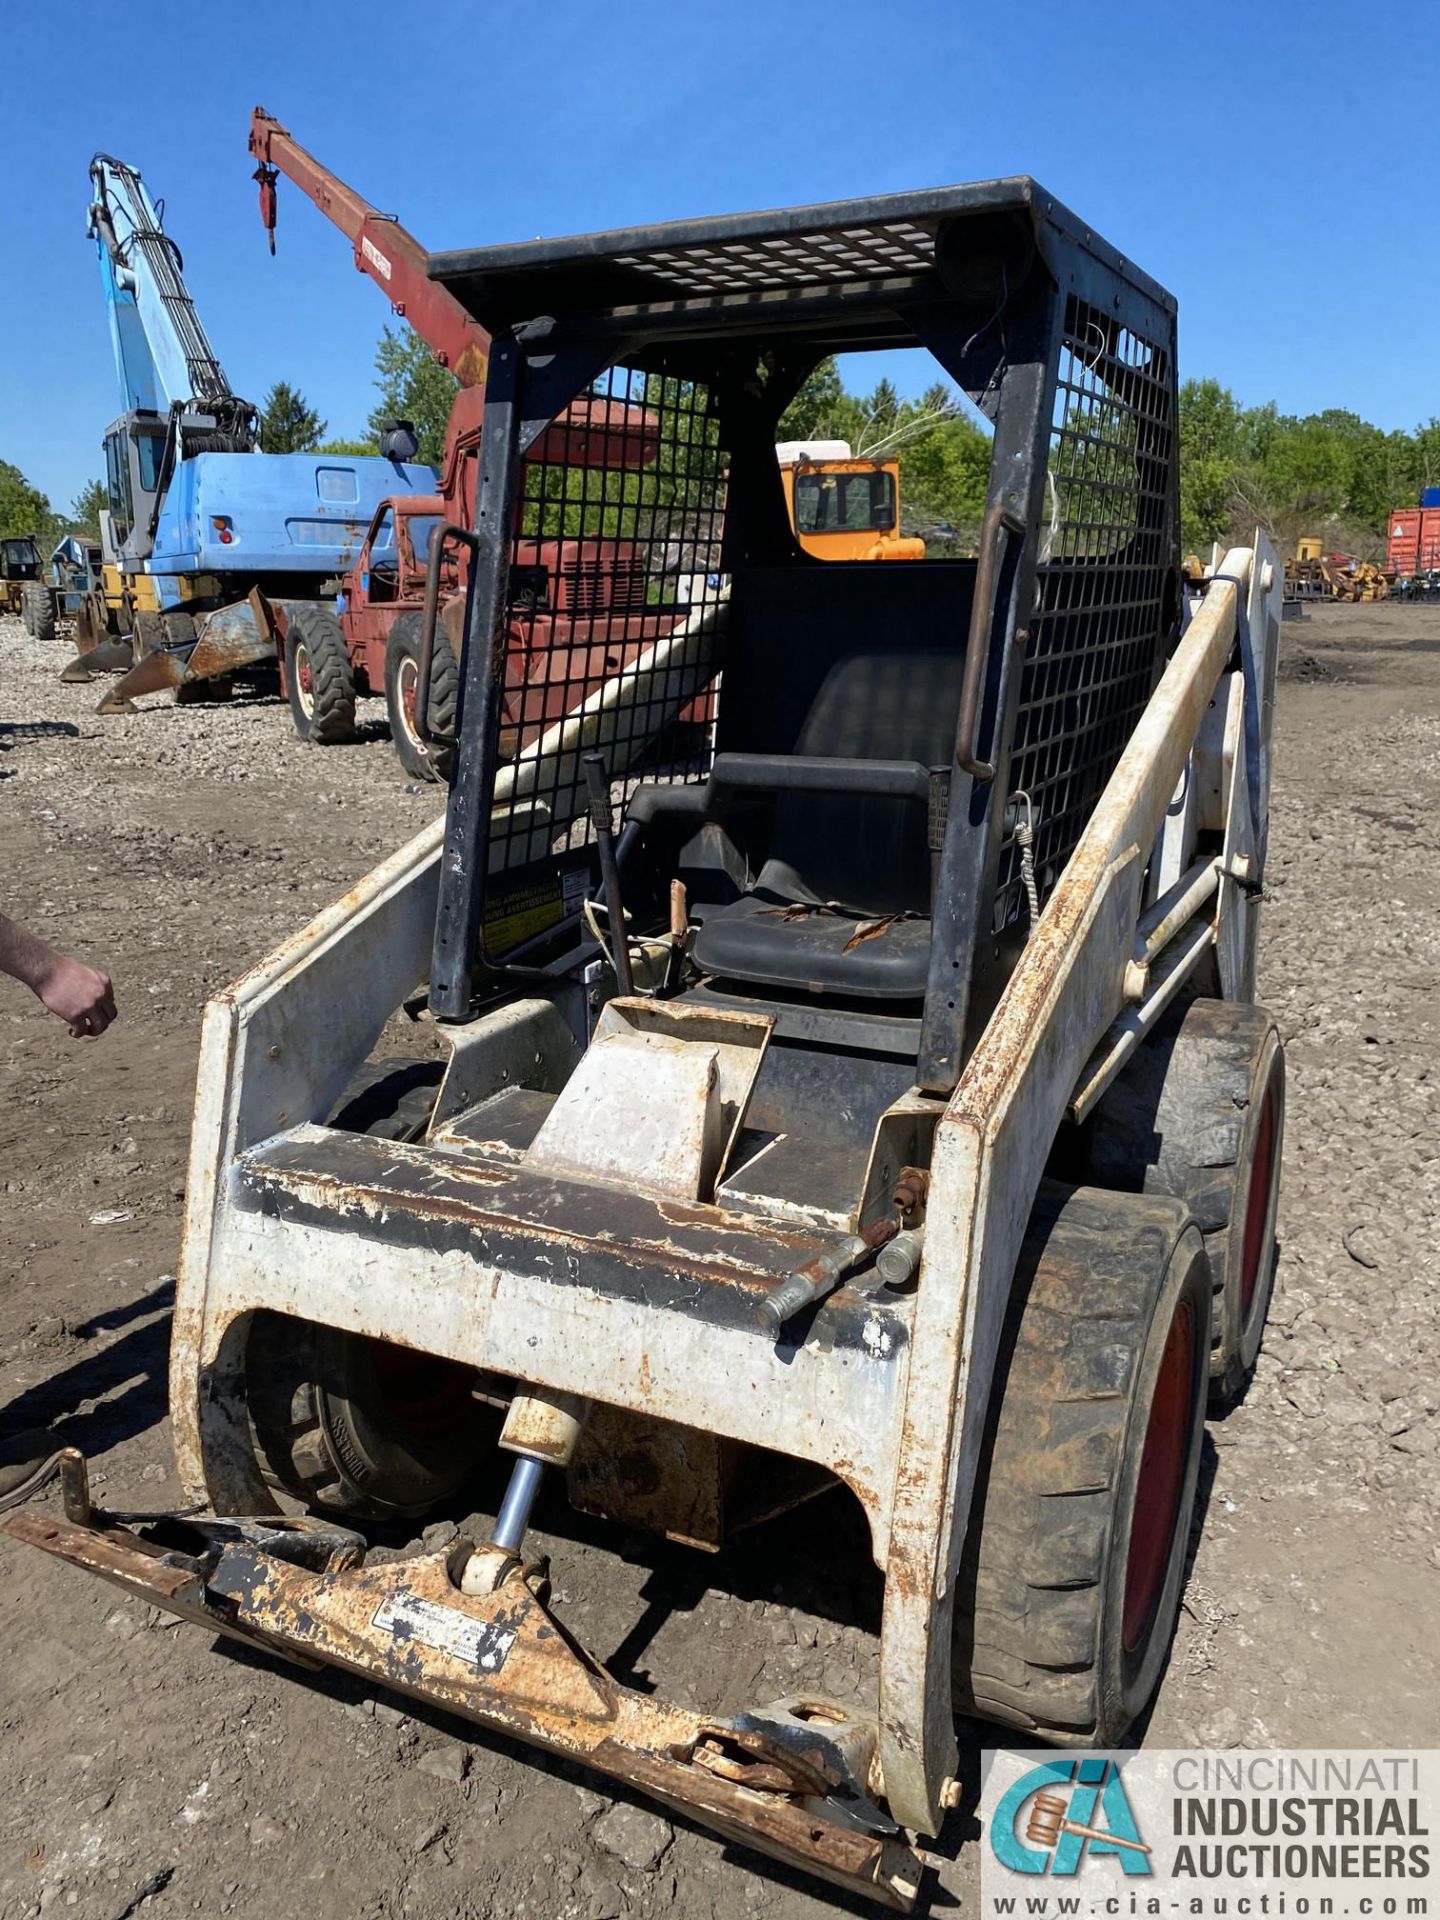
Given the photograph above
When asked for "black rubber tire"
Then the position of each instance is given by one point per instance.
(1040, 1633)
(351, 1425)
(316, 636)
(42, 615)
(390, 1099)
(346, 1424)
(402, 655)
(1199, 1113)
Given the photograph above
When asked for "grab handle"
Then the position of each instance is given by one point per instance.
(439, 540)
(998, 525)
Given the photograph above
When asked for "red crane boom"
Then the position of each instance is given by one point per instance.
(393, 258)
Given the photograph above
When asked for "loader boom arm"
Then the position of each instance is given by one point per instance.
(393, 258)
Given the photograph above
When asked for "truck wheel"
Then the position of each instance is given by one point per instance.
(320, 677)
(42, 614)
(402, 678)
(349, 1424)
(1199, 1113)
(1075, 1554)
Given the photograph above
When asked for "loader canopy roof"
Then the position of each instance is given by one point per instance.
(840, 272)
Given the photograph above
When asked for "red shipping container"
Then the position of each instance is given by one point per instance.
(1414, 542)
(1403, 549)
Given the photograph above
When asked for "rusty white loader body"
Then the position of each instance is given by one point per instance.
(646, 1145)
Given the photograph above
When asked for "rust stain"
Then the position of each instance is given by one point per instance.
(502, 1660)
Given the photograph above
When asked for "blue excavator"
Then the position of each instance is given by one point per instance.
(199, 520)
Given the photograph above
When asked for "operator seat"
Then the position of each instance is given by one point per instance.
(841, 904)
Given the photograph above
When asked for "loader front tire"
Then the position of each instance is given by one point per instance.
(346, 1424)
(1075, 1553)
(1199, 1112)
(319, 677)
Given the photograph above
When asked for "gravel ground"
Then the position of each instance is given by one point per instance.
(176, 846)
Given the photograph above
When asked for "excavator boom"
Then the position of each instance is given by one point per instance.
(393, 258)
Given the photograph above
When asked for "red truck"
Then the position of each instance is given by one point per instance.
(576, 625)
(581, 605)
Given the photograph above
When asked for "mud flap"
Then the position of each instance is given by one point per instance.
(788, 1787)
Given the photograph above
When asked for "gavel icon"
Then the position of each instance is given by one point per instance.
(1047, 1822)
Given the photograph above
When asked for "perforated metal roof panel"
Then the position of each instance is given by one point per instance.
(782, 267)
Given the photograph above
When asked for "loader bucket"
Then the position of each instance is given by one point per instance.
(230, 638)
(110, 656)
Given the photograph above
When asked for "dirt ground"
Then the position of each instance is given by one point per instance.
(177, 846)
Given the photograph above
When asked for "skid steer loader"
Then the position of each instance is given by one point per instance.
(852, 1083)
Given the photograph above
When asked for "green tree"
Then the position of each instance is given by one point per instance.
(87, 506)
(25, 509)
(822, 409)
(413, 386)
(1212, 440)
(287, 424)
(352, 449)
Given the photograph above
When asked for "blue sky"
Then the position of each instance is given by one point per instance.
(1274, 164)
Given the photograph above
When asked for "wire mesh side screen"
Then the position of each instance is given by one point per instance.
(614, 629)
(1107, 548)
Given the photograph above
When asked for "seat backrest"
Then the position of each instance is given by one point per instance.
(863, 660)
(864, 851)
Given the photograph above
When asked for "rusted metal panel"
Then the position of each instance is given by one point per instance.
(614, 1296)
(504, 1661)
(655, 1474)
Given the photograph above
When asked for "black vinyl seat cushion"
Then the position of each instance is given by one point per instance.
(837, 862)
(776, 942)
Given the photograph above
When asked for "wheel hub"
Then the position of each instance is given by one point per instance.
(1257, 1206)
(1162, 1473)
(304, 678)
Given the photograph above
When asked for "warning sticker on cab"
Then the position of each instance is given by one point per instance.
(483, 1643)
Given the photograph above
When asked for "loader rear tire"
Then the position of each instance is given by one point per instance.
(390, 1099)
(402, 672)
(1199, 1113)
(320, 677)
(1075, 1553)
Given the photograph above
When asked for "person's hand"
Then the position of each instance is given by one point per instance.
(81, 996)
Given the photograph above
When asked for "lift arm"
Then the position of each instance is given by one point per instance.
(163, 358)
(393, 258)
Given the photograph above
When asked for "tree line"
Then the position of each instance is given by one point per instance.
(1330, 473)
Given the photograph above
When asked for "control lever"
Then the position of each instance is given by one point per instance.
(598, 783)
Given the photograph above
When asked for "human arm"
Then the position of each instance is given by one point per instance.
(81, 996)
